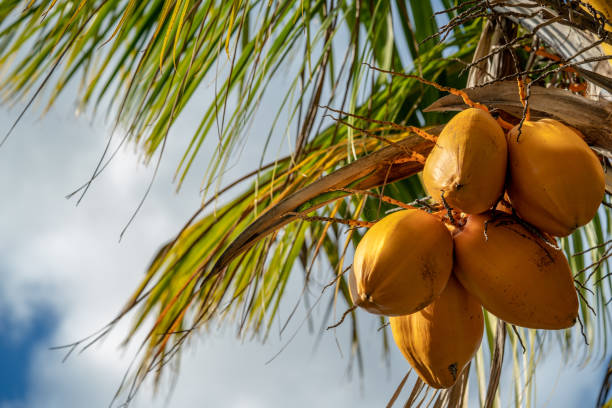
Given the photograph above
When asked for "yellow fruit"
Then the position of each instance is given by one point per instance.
(607, 49)
(441, 339)
(514, 274)
(604, 7)
(402, 263)
(555, 180)
(468, 162)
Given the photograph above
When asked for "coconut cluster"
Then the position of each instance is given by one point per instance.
(432, 273)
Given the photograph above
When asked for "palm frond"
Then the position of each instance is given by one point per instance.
(235, 262)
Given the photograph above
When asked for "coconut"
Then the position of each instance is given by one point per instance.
(402, 263)
(514, 273)
(441, 339)
(555, 180)
(468, 162)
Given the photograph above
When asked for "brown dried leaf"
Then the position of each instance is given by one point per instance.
(496, 363)
(601, 80)
(398, 390)
(416, 391)
(591, 118)
(383, 166)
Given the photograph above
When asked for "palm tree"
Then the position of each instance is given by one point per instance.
(351, 108)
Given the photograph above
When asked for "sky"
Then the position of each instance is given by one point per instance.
(64, 274)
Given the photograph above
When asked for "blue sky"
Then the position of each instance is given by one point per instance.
(16, 352)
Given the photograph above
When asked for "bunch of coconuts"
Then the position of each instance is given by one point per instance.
(432, 273)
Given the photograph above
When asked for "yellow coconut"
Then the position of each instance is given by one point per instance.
(555, 180)
(441, 339)
(514, 274)
(402, 263)
(468, 162)
(604, 7)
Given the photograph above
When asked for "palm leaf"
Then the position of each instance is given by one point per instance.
(213, 277)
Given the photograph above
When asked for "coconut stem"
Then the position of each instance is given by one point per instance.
(543, 53)
(462, 94)
(423, 134)
(458, 92)
(384, 198)
(449, 210)
(523, 96)
(351, 223)
(333, 326)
